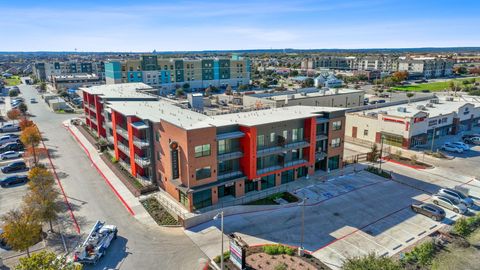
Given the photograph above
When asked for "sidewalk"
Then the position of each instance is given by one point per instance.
(131, 203)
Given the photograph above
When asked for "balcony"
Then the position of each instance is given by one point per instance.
(124, 164)
(320, 156)
(230, 176)
(230, 156)
(142, 161)
(140, 143)
(94, 120)
(122, 131)
(109, 124)
(139, 125)
(230, 135)
(321, 137)
(110, 139)
(321, 120)
(125, 149)
(281, 148)
(286, 164)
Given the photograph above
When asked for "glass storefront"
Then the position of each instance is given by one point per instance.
(202, 199)
(250, 186)
(226, 191)
(334, 163)
(268, 181)
(287, 176)
(302, 172)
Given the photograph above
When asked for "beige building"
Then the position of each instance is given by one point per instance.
(345, 98)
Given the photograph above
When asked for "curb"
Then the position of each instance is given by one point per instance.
(129, 209)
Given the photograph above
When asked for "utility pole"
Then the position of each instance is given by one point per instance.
(221, 228)
(381, 152)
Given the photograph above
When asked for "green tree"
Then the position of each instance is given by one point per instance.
(43, 86)
(308, 82)
(228, 90)
(179, 92)
(409, 96)
(244, 87)
(46, 260)
(21, 230)
(42, 198)
(461, 227)
(186, 86)
(23, 108)
(370, 262)
(31, 136)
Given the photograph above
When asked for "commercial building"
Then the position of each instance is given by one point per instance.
(201, 160)
(45, 71)
(64, 82)
(169, 74)
(409, 125)
(338, 97)
(426, 67)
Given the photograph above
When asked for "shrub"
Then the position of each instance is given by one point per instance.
(278, 249)
(414, 159)
(422, 254)
(114, 160)
(281, 266)
(462, 227)
(226, 256)
(378, 172)
(289, 251)
(370, 262)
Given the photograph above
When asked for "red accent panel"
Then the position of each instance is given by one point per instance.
(248, 144)
(311, 135)
(133, 165)
(115, 138)
(378, 137)
(407, 125)
(393, 120)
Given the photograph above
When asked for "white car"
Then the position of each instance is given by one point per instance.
(462, 145)
(451, 148)
(7, 138)
(10, 154)
(449, 203)
(9, 128)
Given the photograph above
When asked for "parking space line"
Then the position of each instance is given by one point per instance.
(422, 233)
(397, 247)
(410, 239)
(373, 241)
(336, 252)
(433, 226)
(361, 250)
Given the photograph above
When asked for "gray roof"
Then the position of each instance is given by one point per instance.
(122, 90)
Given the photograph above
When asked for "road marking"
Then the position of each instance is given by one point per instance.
(422, 233)
(397, 247)
(408, 240)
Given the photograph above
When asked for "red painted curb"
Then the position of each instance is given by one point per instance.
(72, 216)
(406, 165)
(101, 173)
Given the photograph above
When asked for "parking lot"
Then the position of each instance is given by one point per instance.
(349, 216)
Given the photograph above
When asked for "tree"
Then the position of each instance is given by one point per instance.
(14, 114)
(308, 82)
(186, 86)
(208, 91)
(461, 227)
(409, 96)
(46, 260)
(228, 90)
(43, 86)
(31, 136)
(400, 76)
(244, 87)
(179, 92)
(42, 196)
(294, 73)
(21, 230)
(24, 123)
(23, 108)
(371, 262)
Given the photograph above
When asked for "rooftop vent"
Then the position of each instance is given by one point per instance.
(434, 101)
(449, 98)
(402, 109)
(421, 107)
(430, 105)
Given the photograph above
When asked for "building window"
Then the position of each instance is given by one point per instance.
(184, 199)
(285, 135)
(337, 125)
(260, 140)
(221, 147)
(432, 122)
(202, 150)
(157, 136)
(335, 142)
(272, 137)
(294, 135)
(365, 132)
(268, 181)
(203, 173)
(202, 199)
(158, 155)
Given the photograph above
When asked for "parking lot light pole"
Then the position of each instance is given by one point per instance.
(221, 228)
(381, 152)
(300, 250)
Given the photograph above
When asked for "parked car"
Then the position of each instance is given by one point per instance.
(12, 135)
(10, 154)
(9, 128)
(449, 203)
(33, 100)
(473, 140)
(14, 166)
(462, 145)
(13, 180)
(13, 146)
(427, 209)
(451, 148)
(457, 195)
(469, 136)
(381, 101)
(7, 139)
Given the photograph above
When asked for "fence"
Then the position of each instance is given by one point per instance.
(170, 206)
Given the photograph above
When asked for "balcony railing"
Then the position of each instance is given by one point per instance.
(230, 175)
(281, 166)
(320, 156)
(124, 164)
(230, 156)
(142, 161)
(125, 149)
(321, 137)
(110, 139)
(140, 143)
(285, 147)
(122, 131)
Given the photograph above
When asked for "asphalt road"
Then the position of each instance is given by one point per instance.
(137, 246)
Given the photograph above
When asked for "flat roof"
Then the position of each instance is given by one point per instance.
(122, 90)
(444, 107)
(159, 110)
(306, 93)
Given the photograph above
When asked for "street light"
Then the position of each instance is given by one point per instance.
(381, 152)
(221, 227)
(301, 249)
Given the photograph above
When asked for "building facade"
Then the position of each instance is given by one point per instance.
(414, 124)
(169, 74)
(64, 82)
(426, 67)
(45, 71)
(202, 160)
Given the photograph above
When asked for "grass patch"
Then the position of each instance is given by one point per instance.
(433, 87)
(14, 80)
(270, 200)
(158, 213)
(278, 249)
(378, 172)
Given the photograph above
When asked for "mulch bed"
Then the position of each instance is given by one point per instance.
(158, 213)
(408, 162)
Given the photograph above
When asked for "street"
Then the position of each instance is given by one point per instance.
(137, 246)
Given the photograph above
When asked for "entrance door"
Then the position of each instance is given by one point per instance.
(354, 132)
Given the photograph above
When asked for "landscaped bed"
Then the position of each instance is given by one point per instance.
(158, 213)
(434, 86)
(275, 257)
(271, 200)
(410, 162)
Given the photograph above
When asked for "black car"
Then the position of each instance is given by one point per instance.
(14, 166)
(427, 209)
(13, 146)
(469, 136)
(13, 180)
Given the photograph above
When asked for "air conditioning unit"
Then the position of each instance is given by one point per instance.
(402, 109)
(434, 101)
(449, 98)
(430, 105)
(421, 107)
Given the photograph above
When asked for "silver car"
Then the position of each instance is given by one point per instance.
(455, 194)
(449, 203)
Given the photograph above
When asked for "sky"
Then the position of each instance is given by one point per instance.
(144, 26)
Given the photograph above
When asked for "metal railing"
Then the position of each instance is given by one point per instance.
(142, 161)
(235, 174)
(230, 155)
(140, 143)
(280, 148)
(171, 207)
(321, 137)
(125, 149)
(122, 131)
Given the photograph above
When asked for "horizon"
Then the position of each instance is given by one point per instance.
(182, 26)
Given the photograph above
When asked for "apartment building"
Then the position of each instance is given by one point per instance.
(169, 74)
(382, 63)
(45, 71)
(201, 160)
(95, 99)
(64, 82)
(426, 67)
(409, 125)
(337, 97)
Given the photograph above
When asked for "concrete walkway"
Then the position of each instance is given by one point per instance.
(130, 202)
